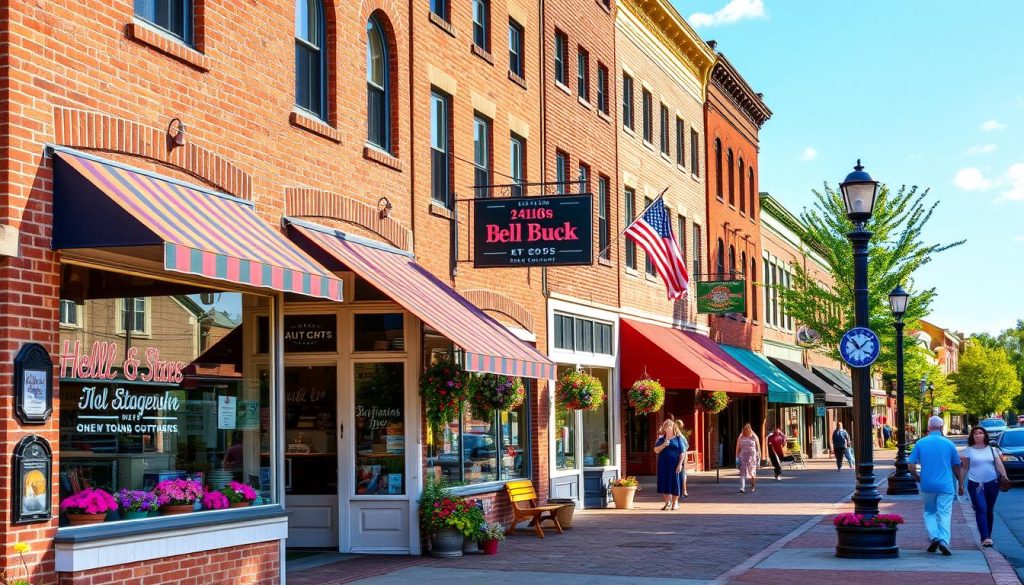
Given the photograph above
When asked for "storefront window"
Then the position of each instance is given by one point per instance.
(380, 428)
(596, 428)
(180, 401)
(565, 438)
(311, 443)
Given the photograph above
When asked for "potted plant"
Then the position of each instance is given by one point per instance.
(239, 495)
(135, 504)
(646, 396)
(490, 392)
(447, 519)
(861, 536)
(603, 460)
(712, 402)
(490, 536)
(215, 500)
(443, 387)
(89, 506)
(624, 490)
(579, 391)
(178, 496)
(475, 517)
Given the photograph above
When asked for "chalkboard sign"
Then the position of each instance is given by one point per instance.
(303, 334)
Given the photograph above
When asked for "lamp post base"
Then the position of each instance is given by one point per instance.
(902, 483)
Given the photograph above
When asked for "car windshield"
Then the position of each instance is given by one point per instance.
(1012, 439)
(993, 423)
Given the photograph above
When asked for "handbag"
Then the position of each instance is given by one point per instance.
(1004, 482)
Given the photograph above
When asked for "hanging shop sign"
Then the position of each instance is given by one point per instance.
(303, 334)
(721, 296)
(33, 461)
(33, 384)
(534, 231)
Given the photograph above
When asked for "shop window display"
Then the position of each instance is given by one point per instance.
(565, 438)
(596, 428)
(172, 399)
(380, 428)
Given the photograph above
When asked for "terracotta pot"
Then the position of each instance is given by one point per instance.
(168, 510)
(490, 547)
(83, 519)
(623, 496)
(240, 505)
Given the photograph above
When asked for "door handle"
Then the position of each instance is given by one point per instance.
(341, 430)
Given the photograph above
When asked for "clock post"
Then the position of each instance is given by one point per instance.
(866, 496)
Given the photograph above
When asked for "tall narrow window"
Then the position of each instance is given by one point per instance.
(732, 178)
(68, 313)
(627, 102)
(583, 179)
(604, 208)
(482, 24)
(440, 145)
(680, 152)
(482, 155)
(664, 130)
(583, 74)
(732, 261)
(561, 171)
(681, 234)
(648, 263)
(440, 8)
(517, 158)
(172, 16)
(378, 106)
(630, 212)
(750, 190)
(133, 315)
(602, 88)
(698, 253)
(310, 58)
(743, 189)
(718, 169)
(753, 293)
(648, 113)
(720, 260)
(694, 152)
(561, 45)
(766, 294)
(742, 266)
(515, 48)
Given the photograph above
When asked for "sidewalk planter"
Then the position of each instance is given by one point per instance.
(565, 513)
(623, 496)
(867, 542)
(490, 547)
(446, 543)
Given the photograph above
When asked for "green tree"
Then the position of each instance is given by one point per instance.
(986, 382)
(895, 253)
(1011, 340)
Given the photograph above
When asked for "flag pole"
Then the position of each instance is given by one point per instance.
(641, 214)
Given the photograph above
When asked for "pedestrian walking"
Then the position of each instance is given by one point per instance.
(939, 473)
(670, 464)
(680, 428)
(748, 456)
(840, 442)
(776, 450)
(982, 471)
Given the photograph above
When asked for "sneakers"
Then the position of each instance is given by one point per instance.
(743, 491)
(934, 546)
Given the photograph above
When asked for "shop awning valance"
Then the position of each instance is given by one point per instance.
(488, 346)
(781, 388)
(681, 359)
(103, 204)
(817, 386)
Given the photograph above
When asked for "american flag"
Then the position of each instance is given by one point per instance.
(652, 231)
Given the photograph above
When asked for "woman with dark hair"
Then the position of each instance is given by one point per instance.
(982, 468)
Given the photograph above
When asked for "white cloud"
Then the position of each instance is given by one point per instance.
(982, 149)
(971, 179)
(734, 11)
(809, 154)
(1014, 182)
(990, 125)
(1019, 239)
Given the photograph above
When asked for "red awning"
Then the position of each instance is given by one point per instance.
(488, 345)
(682, 359)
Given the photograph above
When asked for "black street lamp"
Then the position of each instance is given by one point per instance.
(901, 482)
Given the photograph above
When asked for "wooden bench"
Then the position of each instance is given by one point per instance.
(524, 505)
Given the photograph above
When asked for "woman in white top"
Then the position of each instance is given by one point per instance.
(982, 468)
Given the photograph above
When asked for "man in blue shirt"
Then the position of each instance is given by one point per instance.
(940, 473)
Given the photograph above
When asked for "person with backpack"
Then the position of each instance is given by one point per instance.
(840, 442)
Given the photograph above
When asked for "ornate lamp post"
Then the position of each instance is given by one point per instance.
(900, 482)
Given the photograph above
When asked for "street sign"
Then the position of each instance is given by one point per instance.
(533, 231)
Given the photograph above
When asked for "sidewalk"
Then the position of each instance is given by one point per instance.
(719, 536)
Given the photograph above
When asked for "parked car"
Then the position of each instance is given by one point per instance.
(1011, 444)
(477, 448)
(994, 426)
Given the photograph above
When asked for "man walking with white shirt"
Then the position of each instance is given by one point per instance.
(940, 472)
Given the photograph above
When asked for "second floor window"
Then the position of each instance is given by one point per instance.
(583, 179)
(680, 152)
(481, 24)
(515, 48)
(630, 212)
(583, 74)
(172, 16)
(561, 44)
(648, 113)
(602, 89)
(68, 313)
(732, 177)
(750, 189)
(310, 58)
(603, 215)
(664, 130)
(694, 152)
(627, 101)
(440, 165)
(440, 8)
(133, 315)
(648, 262)
(517, 158)
(561, 171)
(377, 104)
(482, 155)
(698, 251)
(743, 188)
(718, 169)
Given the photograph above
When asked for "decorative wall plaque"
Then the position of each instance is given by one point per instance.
(33, 385)
(33, 462)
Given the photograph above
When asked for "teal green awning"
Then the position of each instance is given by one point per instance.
(781, 388)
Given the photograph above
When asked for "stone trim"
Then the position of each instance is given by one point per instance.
(315, 203)
(491, 301)
(379, 156)
(318, 127)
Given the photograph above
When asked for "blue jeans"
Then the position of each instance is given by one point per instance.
(983, 498)
(938, 512)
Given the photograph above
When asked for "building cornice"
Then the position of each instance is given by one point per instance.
(751, 103)
(772, 207)
(665, 23)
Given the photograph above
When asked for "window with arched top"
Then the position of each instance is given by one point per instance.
(378, 102)
(743, 191)
(310, 58)
(743, 264)
(718, 168)
(750, 189)
(753, 295)
(732, 178)
(732, 260)
(720, 264)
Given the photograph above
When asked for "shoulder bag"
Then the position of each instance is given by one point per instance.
(1004, 482)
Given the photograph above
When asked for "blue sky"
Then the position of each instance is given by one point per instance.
(926, 93)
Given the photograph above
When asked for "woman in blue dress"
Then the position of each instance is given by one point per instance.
(670, 464)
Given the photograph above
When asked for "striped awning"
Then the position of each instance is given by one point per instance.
(488, 346)
(781, 388)
(103, 204)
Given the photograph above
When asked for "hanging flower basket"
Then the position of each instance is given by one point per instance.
(646, 396)
(490, 392)
(443, 386)
(712, 402)
(579, 391)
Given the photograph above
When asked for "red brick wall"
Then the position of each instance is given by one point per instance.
(256, 564)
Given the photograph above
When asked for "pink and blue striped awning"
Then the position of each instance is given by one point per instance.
(103, 204)
(488, 345)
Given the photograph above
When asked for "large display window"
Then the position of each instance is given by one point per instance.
(160, 409)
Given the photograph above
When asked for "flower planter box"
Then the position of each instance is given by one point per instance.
(861, 542)
(623, 496)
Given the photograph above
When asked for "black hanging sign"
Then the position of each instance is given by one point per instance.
(33, 384)
(33, 461)
(533, 231)
(303, 334)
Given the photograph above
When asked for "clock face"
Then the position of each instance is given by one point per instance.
(859, 347)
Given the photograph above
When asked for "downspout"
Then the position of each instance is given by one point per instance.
(412, 136)
(543, 129)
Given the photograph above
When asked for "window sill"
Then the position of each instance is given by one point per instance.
(651, 277)
(606, 7)
(680, 167)
(604, 116)
(318, 127)
(440, 210)
(632, 272)
(629, 130)
(168, 45)
(649, 145)
(379, 156)
(585, 103)
(695, 176)
(563, 87)
(482, 53)
(443, 25)
(605, 262)
(665, 157)
(517, 79)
